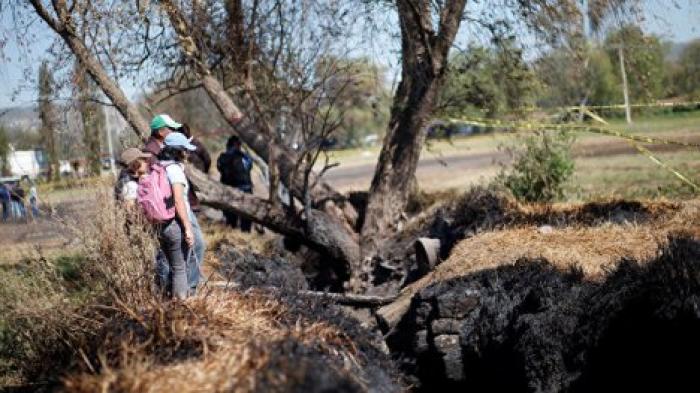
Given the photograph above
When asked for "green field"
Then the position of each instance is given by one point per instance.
(601, 171)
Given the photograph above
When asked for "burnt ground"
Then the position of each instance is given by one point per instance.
(530, 327)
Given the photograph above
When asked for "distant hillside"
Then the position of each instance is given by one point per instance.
(21, 117)
(675, 49)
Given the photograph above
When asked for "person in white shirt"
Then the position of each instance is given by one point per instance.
(33, 199)
(173, 157)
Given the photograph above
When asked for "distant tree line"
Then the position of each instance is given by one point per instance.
(496, 80)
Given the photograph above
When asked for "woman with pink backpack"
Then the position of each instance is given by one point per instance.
(162, 195)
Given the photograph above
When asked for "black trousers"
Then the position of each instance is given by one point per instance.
(233, 220)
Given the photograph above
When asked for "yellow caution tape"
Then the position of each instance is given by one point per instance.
(618, 106)
(604, 130)
(644, 151)
(534, 126)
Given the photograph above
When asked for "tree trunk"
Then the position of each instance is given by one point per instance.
(54, 170)
(47, 113)
(424, 56)
(325, 235)
(92, 122)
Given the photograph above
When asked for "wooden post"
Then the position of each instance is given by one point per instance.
(625, 91)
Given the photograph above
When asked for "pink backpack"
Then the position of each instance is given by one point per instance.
(155, 195)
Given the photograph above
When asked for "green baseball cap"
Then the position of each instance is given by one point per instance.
(164, 120)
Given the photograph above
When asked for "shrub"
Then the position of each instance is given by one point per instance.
(541, 169)
(53, 307)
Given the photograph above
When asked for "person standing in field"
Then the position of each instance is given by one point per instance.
(161, 127)
(178, 238)
(33, 199)
(235, 165)
(5, 200)
(17, 195)
(135, 164)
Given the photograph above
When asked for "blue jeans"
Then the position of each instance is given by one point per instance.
(18, 210)
(193, 259)
(173, 247)
(200, 246)
(35, 208)
(5, 210)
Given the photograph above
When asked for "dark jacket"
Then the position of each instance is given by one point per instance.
(235, 166)
(17, 194)
(4, 193)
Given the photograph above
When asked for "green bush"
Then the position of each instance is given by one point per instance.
(541, 168)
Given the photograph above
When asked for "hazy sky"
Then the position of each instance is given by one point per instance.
(673, 20)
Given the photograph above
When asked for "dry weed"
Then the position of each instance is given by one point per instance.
(51, 308)
(106, 329)
(221, 342)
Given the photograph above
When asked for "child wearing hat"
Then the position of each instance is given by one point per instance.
(136, 165)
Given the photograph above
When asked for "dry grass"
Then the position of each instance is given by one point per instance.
(585, 237)
(51, 307)
(104, 327)
(223, 342)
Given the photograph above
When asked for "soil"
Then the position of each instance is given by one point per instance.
(48, 231)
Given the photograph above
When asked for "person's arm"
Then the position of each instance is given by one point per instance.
(181, 211)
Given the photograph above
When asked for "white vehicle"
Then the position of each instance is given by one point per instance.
(371, 139)
(30, 163)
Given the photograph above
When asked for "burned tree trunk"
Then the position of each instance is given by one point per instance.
(424, 59)
(326, 236)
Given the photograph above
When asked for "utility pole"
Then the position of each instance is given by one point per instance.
(625, 91)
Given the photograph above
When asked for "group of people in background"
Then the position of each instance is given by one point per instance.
(170, 147)
(14, 197)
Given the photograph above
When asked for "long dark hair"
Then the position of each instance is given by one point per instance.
(172, 153)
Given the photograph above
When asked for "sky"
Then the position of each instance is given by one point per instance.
(673, 20)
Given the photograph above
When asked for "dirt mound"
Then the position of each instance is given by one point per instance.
(228, 341)
(247, 269)
(535, 231)
(483, 209)
(532, 327)
(491, 224)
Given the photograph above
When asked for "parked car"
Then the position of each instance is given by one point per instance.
(370, 139)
